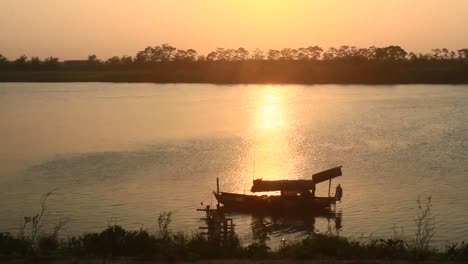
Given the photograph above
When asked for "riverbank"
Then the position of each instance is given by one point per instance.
(306, 65)
(165, 245)
(65, 260)
(115, 241)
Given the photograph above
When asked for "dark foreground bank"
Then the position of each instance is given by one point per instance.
(32, 241)
(115, 241)
(214, 261)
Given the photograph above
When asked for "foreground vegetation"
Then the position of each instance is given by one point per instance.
(308, 65)
(115, 241)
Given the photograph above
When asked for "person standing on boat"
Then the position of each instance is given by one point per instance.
(338, 192)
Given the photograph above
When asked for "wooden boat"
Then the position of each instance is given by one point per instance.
(296, 195)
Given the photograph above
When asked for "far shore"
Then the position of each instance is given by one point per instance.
(307, 65)
(214, 77)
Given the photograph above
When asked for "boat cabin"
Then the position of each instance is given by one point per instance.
(290, 187)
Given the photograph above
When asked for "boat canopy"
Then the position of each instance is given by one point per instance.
(281, 185)
(295, 185)
(326, 175)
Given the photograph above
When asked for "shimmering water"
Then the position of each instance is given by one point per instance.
(127, 152)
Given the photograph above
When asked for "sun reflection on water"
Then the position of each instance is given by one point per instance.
(270, 111)
(272, 156)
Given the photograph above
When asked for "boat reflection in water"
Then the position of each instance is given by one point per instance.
(281, 226)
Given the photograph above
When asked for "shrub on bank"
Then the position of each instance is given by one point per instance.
(116, 241)
(455, 251)
(319, 246)
(10, 245)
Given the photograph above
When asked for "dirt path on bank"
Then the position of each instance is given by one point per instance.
(235, 261)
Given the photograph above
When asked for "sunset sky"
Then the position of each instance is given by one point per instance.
(73, 29)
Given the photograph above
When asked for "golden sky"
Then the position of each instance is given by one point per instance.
(73, 29)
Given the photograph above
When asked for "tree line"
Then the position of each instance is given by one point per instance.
(167, 53)
(309, 65)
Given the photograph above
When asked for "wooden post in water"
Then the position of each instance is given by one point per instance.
(329, 187)
(217, 185)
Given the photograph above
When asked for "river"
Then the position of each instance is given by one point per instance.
(124, 153)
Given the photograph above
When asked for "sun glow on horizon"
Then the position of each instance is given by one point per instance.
(76, 29)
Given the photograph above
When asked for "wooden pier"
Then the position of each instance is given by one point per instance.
(218, 228)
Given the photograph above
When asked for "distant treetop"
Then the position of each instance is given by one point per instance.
(166, 53)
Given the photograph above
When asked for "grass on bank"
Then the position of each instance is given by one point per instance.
(164, 244)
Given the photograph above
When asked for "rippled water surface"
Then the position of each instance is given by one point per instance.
(127, 152)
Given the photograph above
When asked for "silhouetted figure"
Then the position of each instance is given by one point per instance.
(338, 192)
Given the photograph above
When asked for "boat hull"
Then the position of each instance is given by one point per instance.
(274, 204)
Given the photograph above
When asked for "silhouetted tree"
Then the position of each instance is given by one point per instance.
(258, 54)
(313, 52)
(212, 56)
(93, 60)
(390, 53)
(287, 54)
(273, 54)
(167, 52)
(413, 56)
(35, 61)
(180, 55)
(21, 60)
(309, 53)
(344, 52)
(113, 60)
(241, 54)
(452, 55)
(230, 54)
(3, 59)
(126, 60)
(424, 56)
(301, 54)
(330, 54)
(437, 54)
(164, 52)
(144, 55)
(221, 54)
(371, 53)
(463, 54)
(445, 54)
(364, 54)
(191, 55)
(154, 54)
(51, 61)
